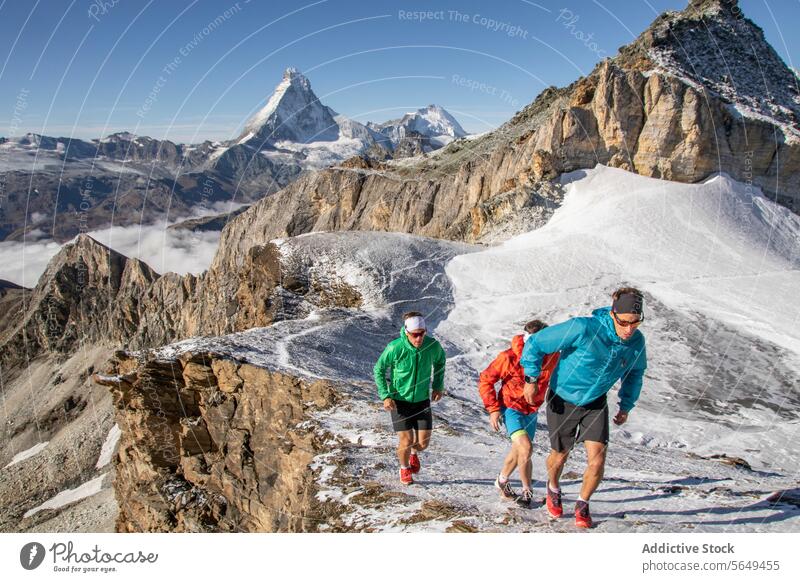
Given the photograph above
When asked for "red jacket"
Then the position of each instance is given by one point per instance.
(506, 367)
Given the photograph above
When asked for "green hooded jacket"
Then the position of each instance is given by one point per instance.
(410, 378)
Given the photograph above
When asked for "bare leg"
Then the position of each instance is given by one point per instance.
(422, 439)
(510, 463)
(524, 450)
(555, 464)
(596, 454)
(405, 440)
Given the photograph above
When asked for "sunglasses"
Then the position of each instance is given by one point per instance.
(623, 323)
(416, 334)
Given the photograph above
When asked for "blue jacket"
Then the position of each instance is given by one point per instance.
(593, 358)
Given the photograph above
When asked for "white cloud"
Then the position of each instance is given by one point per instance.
(164, 250)
(23, 263)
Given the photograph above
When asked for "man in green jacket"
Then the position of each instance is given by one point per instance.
(407, 394)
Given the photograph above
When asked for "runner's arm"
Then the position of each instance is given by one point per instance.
(551, 339)
(549, 362)
(630, 389)
(438, 369)
(632, 384)
(488, 378)
(379, 371)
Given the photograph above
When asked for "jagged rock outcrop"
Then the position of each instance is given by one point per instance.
(213, 444)
(88, 292)
(91, 293)
(700, 91)
(12, 305)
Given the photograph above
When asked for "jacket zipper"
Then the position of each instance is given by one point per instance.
(416, 367)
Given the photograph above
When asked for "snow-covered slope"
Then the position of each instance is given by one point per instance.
(713, 436)
(718, 263)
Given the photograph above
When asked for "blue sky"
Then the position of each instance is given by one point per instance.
(194, 70)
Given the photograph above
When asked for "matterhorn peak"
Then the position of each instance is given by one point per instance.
(292, 113)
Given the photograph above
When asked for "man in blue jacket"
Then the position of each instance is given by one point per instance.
(595, 352)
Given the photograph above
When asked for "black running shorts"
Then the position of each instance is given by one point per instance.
(569, 424)
(412, 415)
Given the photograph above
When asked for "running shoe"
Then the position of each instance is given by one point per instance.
(554, 507)
(525, 499)
(405, 476)
(582, 517)
(505, 489)
(413, 463)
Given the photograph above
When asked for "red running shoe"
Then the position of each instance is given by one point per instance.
(413, 463)
(405, 476)
(554, 507)
(582, 517)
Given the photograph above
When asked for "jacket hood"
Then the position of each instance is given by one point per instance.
(603, 315)
(517, 343)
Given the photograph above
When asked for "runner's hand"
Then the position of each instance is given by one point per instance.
(620, 418)
(494, 419)
(436, 395)
(389, 404)
(529, 392)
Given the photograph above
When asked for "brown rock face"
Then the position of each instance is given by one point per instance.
(82, 281)
(662, 127)
(212, 444)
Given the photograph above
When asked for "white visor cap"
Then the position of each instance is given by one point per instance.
(415, 323)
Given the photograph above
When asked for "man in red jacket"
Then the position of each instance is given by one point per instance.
(509, 404)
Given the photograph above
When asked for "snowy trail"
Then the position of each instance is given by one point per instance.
(658, 478)
(712, 437)
(645, 489)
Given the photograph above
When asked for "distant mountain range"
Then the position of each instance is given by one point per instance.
(66, 184)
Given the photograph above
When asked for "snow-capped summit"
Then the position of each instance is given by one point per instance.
(294, 118)
(432, 122)
(292, 113)
(295, 126)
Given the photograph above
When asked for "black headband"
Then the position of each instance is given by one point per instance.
(628, 303)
